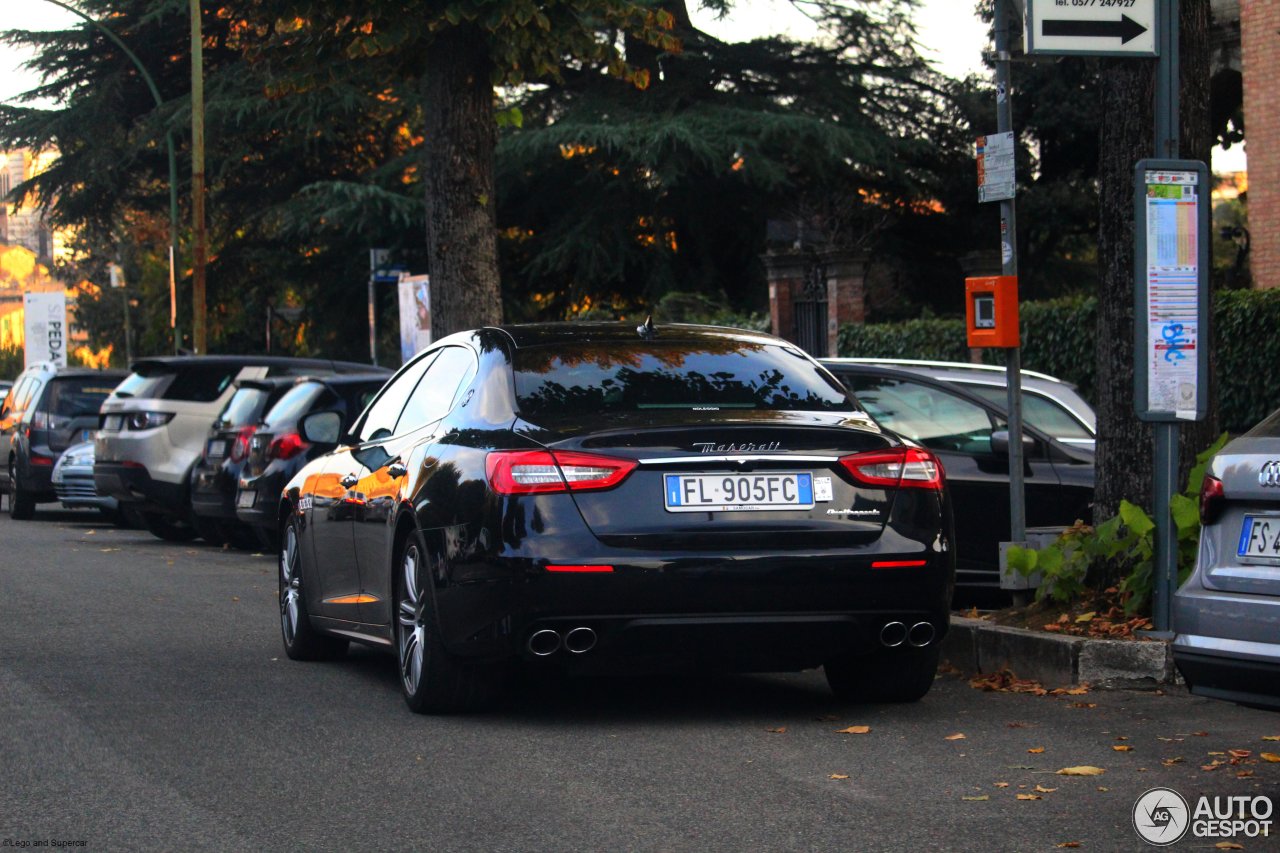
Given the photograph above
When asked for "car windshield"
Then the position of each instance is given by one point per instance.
(244, 407)
(581, 378)
(76, 396)
(1041, 412)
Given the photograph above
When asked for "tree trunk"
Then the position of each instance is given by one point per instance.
(1125, 444)
(460, 137)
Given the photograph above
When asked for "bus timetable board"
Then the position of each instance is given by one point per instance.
(1171, 290)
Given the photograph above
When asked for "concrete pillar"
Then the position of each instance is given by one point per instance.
(845, 274)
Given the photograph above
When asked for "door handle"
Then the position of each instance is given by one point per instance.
(349, 481)
(397, 470)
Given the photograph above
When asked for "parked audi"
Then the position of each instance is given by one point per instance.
(1227, 613)
(970, 435)
(275, 450)
(604, 498)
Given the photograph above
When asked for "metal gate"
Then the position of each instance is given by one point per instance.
(809, 308)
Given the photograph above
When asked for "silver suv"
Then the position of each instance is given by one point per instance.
(154, 427)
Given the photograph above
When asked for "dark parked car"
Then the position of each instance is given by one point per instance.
(276, 451)
(601, 497)
(217, 471)
(46, 411)
(1227, 613)
(156, 423)
(970, 435)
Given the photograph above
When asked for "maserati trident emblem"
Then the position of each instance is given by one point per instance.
(1269, 474)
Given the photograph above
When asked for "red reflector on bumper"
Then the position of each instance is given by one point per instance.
(581, 569)
(37, 459)
(897, 564)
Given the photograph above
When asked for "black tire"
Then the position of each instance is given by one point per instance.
(22, 505)
(301, 639)
(888, 675)
(168, 528)
(432, 680)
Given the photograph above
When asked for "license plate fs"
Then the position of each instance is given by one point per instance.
(217, 448)
(737, 492)
(1260, 537)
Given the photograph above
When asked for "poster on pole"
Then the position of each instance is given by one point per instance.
(1171, 290)
(45, 327)
(415, 315)
(995, 154)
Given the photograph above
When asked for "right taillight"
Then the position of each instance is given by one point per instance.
(286, 446)
(896, 468)
(530, 472)
(1211, 499)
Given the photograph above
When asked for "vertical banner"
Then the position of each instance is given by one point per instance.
(415, 315)
(45, 327)
(1171, 299)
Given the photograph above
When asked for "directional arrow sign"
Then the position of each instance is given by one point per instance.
(1092, 27)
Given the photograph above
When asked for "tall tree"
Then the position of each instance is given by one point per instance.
(1124, 464)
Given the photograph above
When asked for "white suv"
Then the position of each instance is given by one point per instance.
(154, 426)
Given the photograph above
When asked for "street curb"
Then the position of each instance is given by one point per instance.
(975, 646)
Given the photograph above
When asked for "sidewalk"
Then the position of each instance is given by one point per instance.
(975, 646)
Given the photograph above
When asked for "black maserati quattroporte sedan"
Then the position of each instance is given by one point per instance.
(609, 498)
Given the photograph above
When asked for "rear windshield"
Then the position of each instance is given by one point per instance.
(295, 403)
(1269, 427)
(244, 408)
(196, 383)
(77, 396)
(588, 378)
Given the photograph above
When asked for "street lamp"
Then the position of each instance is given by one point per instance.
(173, 161)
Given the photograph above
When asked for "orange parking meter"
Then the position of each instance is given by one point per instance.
(991, 311)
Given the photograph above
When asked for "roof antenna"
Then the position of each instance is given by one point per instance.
(645, 329)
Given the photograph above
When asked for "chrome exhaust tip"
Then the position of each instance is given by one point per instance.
(580, 641)
(893, 634)
(921, 634)
(544, 642)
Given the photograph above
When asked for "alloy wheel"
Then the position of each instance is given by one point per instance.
(411, 629)
(290, 585)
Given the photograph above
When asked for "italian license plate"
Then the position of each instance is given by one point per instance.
(1260, 537)
(246, 499)
(87, 434)
(217, 448)
(737, 492)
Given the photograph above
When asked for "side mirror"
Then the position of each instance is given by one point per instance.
(322, 428)
(1000, 443)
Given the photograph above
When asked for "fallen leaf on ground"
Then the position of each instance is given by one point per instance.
(1036, 750)
(1228, 845)
(1029, 797)
(1005, 681)
(1070, 844)
(956, 736)
(1102, 789)
(1270, 757)
(1078, 690)
(108, 550)
(1200, 734)
(1002, 784)
(1123, 748)
(1169, 762)
(1084, 704)
(1085, 617)
(1209, 768)
(1239, 753)
(780, 730)
(1244, 774)
(1016, 725)
(981, 799)
(1082, 770)
(838, 776)
(1042, 789)
(854, 730)
(1271, 737)
(947, 668)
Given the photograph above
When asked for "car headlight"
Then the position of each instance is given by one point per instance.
(149, 420)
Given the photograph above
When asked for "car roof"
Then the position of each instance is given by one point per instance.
(550, 334)
(172, 362)
(944, 368)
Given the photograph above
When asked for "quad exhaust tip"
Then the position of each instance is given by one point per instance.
(921, 634)
(543, 643)
(893, 634)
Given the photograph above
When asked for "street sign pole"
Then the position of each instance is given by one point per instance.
(1165, 462)
(1009, 266)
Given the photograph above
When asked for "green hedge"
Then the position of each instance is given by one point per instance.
(1058, 339)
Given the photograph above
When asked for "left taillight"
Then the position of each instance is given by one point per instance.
(286, 446)
(896, 468)
(529, 472)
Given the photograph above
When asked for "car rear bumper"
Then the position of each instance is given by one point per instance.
(133, 485)
(266, 489)
(78, 490)
(1227, 646)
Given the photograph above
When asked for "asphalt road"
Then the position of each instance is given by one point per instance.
(145, 703)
